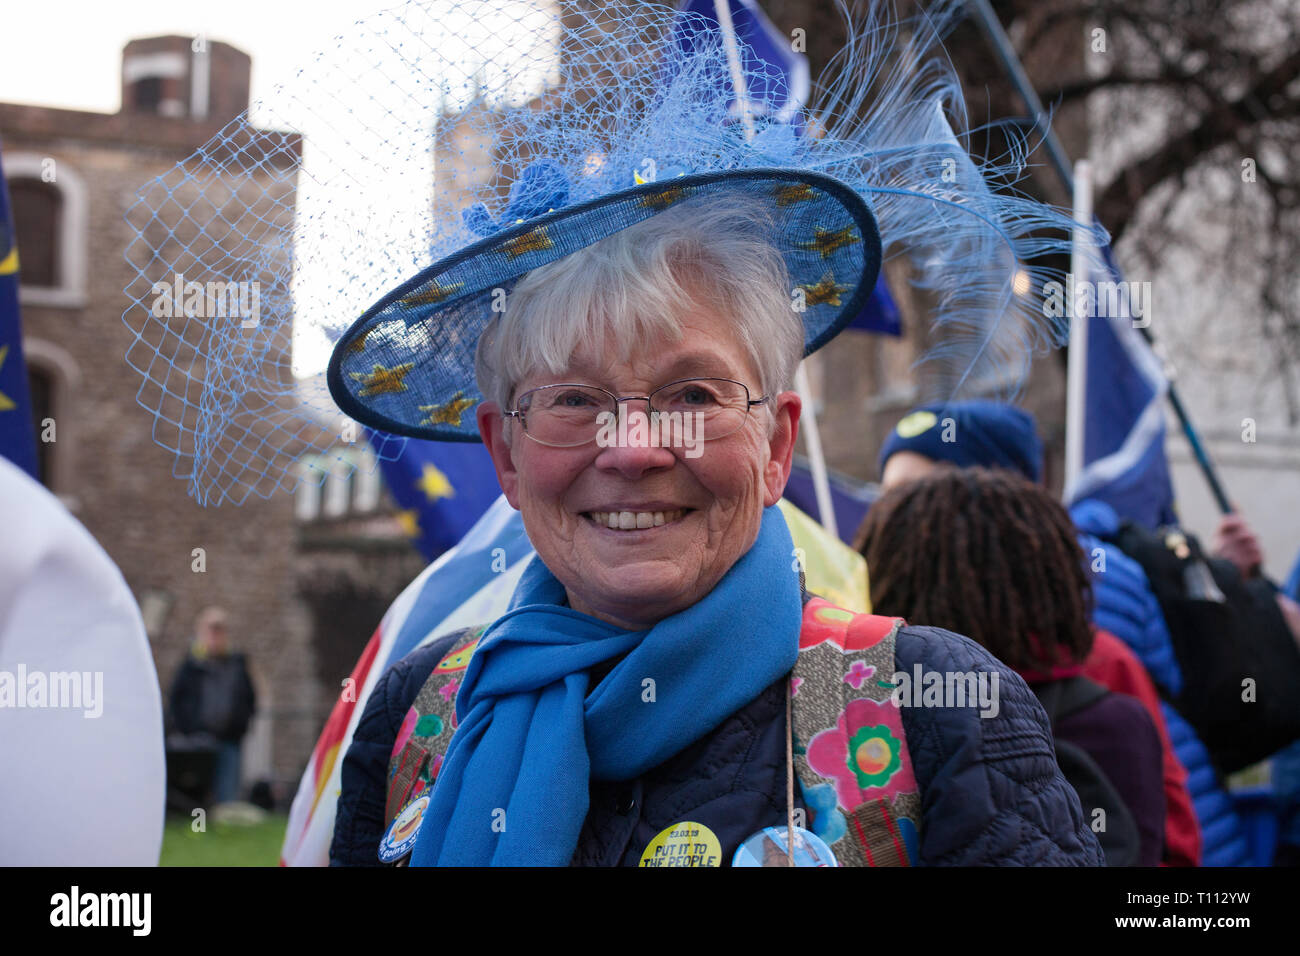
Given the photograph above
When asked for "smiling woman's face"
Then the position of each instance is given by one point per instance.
(633, 578)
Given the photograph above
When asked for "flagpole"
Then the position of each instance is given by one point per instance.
(997, 37)
(816, 460)
(808, 418)
(1077, 367)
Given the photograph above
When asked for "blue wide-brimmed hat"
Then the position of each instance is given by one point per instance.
(407, 365)
(539, 130)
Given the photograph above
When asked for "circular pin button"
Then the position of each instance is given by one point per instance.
(683, 844)
(401, 836)
(768, 847)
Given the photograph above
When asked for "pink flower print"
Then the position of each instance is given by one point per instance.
(864, 754)
(858, 673)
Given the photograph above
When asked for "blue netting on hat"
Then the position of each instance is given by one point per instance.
(442, 149)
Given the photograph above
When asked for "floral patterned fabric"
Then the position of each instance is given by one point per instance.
(850, 750)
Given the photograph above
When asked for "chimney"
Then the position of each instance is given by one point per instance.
(190, 78)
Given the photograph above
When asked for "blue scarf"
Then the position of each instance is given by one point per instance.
(512, 790)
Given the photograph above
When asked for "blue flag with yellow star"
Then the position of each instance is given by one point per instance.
(442, 488)
(17, 435)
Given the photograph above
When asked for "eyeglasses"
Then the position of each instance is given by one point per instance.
(567, 415)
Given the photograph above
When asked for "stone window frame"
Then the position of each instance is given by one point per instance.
(73, 231)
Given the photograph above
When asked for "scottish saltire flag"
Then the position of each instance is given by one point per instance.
(17, 437)
(442, 488)
(469, 585)
(1124, 460)
(777, 87)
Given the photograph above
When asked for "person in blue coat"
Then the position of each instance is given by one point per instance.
(994, 434)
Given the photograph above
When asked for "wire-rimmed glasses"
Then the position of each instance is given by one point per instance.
(571, 414)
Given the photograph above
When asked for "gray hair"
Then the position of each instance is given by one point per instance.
(635, 286)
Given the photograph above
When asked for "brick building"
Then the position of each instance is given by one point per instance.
(301, 612)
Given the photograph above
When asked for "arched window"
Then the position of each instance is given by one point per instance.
(50, 211)
(37, 211)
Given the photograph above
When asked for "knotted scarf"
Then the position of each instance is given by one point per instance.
(513, 788)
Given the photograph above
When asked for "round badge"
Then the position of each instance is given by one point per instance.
(400, 838)
(767, 847)
(916, 423)
(683, 844)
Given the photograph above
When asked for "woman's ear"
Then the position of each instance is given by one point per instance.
(492, 425)
(786, 409)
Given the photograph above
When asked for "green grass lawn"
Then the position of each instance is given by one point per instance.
(223, 844)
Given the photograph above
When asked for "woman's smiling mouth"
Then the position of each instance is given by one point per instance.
(634, 520)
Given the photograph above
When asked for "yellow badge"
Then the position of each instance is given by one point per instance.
(683, 844)
(916, 423)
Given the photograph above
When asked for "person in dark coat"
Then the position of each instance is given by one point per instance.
(995, 435)
(212, 695)
(986, 553)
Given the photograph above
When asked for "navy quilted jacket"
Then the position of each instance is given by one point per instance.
(991, 791)
(1127, 607)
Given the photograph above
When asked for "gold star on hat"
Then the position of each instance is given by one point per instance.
(534, 240)
(826, 241)
(789, 195)
(383, 380)
(357, 345)
(447, 413)
(824, 292)
(431, 294)
(662, 200)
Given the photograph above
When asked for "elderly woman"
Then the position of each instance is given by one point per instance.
(632, 706)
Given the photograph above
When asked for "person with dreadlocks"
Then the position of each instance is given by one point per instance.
(985, 553)
(1132, 652)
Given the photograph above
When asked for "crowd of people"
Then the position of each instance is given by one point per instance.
(966, 538)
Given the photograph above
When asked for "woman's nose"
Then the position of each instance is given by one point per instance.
(634, 446)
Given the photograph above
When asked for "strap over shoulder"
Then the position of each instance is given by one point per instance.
(850, 750)
(426, 731)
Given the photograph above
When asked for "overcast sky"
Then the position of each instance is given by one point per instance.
(67, 53)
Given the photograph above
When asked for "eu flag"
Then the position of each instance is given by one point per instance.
(442, 488)
(17, 435)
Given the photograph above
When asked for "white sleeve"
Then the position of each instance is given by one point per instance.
(81, 728)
